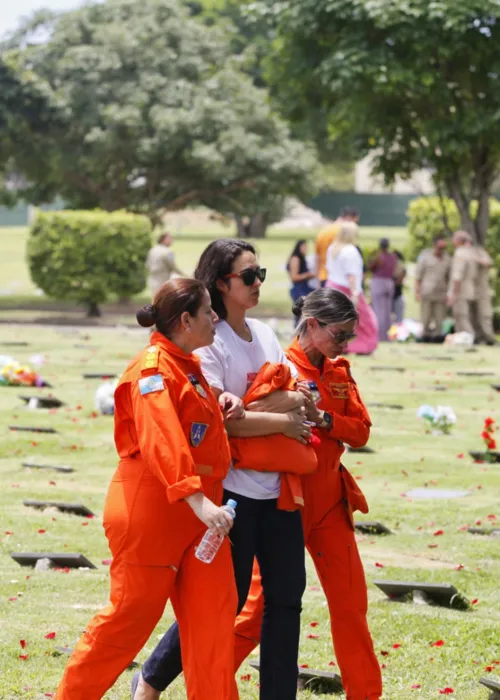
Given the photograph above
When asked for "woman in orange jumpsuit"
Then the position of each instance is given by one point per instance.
(326, 323)
(166, 492)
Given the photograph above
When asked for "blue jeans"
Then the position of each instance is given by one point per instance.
(275, 537)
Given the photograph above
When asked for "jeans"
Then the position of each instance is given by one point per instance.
(275, 537)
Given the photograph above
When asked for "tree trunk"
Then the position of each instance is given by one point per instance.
(241, 227)
(482, 217)
(93, 310)
(455, 191)
(258, 225)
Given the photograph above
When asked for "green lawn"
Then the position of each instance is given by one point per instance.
(17, 289)
(406, 458)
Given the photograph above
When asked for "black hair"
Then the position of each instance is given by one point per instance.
(215, 263)
(296, 252)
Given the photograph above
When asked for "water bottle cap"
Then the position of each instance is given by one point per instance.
(232, 503)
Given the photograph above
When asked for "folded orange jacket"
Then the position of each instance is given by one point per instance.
(275, 453)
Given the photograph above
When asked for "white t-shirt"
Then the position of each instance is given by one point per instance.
(347, 262)
(231, 364)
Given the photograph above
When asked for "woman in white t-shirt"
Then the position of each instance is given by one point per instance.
(344, 265)
(230, 271)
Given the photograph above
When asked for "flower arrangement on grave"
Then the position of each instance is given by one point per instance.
(439, 421)
(105, 398)
(405, 331)
(488, 437)
(12, 373)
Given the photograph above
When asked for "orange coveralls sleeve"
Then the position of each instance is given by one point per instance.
(163, 444)
(352, 427)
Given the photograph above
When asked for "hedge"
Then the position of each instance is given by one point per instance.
(87, 256)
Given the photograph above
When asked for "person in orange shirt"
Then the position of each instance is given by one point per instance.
(326, 322)
(165, 493)
(325, 238)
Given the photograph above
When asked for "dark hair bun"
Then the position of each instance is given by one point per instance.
(146, 316)
(298, 306)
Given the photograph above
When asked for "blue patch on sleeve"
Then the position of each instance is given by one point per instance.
(198, 432)
(149, 384)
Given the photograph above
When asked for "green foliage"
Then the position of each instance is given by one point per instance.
(87, 256)
(156, 114)
(416, 84)
(429, 216)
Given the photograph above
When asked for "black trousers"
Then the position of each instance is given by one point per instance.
(275, 537)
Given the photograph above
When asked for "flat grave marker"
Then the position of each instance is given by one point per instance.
(486, 531)
(372, 527)
(361, 450)
(475, 374)
(492, 684)
(54, 467)
(493, 457)
(387, 368)
(496, 387)
(30, 429)
(42, 401)
(393, 406)
(60, 559)
(72, 508)
(442, 594)
(59, 651)
(100, 375)
(321, 682)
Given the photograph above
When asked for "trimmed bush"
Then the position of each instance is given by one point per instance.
(86, 256)
(425, 220)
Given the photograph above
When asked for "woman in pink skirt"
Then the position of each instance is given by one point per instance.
(345, 272)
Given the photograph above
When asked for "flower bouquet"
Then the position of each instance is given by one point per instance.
(439, 420)
(12, 373)
(488, 436)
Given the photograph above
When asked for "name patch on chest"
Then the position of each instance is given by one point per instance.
(198, 432)
(339, 391)
(196, 384)
(152, 383)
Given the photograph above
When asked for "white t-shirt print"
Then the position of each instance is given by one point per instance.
(231, 364)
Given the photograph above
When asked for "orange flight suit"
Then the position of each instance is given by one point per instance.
(331, 494)
(276, 452)
(171, 440)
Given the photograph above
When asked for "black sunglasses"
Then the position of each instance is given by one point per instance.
(249, 275)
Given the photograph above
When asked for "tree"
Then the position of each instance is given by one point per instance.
(415, 83)
(154, 115)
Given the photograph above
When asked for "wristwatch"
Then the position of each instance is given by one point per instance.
(327, 422)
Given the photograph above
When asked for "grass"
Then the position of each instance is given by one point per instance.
(17, 290)
(405, 458)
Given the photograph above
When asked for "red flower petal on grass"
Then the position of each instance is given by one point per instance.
(383, 666)
(84, 524)
(332, 663)
(8, 532)
(464, 528)
(474, 601)
(314, 624)
(23, 643)
(384, 653)
(460, 456)
(478, 522)
(313, 636)
(303, 665)
(246, 677)
(489, 669)
(379, 565)
(459, 567)
(439, 643)
(23, 657)
(438, 533)
(492, 517)
(41, 532)
(446, 691)
(106, 562)
(432, 546)
(314, 588)
(415, 686)
(12, 599)
(50, 635)
(396, 646)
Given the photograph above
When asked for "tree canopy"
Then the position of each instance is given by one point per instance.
(415, 83)
(151, 112)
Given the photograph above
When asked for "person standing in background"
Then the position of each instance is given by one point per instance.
(432, 277)
(160, 263)
(326, 237)
(299, 272)
(383, 268)
(398, 301)
(482, 309)
(462, 286)
(345, 273)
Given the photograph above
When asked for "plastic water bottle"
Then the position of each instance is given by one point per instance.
(213, 538)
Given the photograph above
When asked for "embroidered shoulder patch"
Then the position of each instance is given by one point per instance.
(152, 383)
(198, 432)
(339, 391)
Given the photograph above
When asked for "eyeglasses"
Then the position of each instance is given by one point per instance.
(249, 275)
(341, 337)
